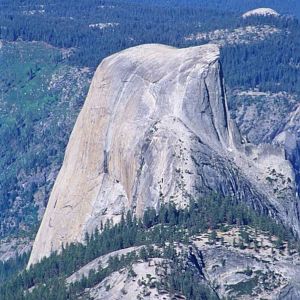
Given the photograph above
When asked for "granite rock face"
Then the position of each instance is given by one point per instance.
(154, 128)
(229, 267)
(274, 118)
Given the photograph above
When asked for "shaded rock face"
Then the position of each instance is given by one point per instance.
(154, 128)
(265, 117)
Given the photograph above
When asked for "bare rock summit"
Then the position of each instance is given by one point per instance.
(261, 12)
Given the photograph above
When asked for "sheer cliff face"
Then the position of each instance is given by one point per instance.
(155, 128)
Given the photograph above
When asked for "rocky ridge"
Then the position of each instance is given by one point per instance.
(241, 35)
(265, 117)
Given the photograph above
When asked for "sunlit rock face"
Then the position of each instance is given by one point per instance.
(155, 128)
(261, 12)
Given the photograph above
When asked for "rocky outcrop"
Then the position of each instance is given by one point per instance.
(121, 285)
(100, 262)
(228, 266)
(154, 128)
(265, 117)
(261, 12)
(248, 271)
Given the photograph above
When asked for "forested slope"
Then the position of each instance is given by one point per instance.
(40, 98)
(168, 240)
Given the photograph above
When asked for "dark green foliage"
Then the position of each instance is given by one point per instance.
(279, 243)
(187, 281)
(212, 236)
(245, 236)
(291, 7)
(66, 25)
(168, 225)
(248, 271)
(11, 267)
(270, 65)
(39, 100)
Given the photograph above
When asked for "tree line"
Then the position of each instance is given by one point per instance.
(168, 225)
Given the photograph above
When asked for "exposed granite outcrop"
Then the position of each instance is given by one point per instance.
(154, 128)
(228, 266)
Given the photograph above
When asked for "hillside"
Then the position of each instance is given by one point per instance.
(171, 254)
(40, 98)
